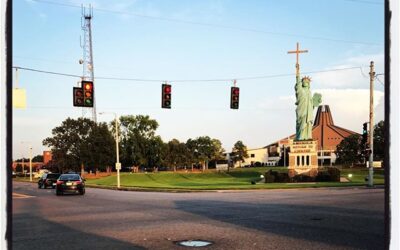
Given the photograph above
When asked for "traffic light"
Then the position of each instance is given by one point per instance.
(365, 135)
(234, 98)
(88, 93)
(78, 97)
(166, 96)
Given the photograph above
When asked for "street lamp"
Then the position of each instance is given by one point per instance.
(30, 160)
(117, 163)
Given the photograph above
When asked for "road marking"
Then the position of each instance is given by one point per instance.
(21, 196)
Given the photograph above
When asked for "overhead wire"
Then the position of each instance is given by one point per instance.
(185, 80)
(364, 1)
(377, 78)
(213, 25)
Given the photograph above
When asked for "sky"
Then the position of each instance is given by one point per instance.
(194, 40)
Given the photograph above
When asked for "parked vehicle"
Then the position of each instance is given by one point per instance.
(48, 180)
(70, 183)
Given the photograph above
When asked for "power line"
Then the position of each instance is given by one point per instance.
(363, 1)
(46, 72)
(187, 80)
(213, 25)
(377, 78)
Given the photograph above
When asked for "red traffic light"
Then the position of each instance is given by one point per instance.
(78, 97)
(88, 91)
(235, 97)
(166, 90)
(88, 86)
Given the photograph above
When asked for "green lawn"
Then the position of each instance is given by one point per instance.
(235, 179)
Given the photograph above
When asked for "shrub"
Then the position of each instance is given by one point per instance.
(334, 174)
(303, 178)
(323, 176)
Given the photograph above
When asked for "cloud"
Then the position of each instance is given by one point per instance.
(204, 11)
(283, 102)
(350, 107)
(36, 8)
(353, 78)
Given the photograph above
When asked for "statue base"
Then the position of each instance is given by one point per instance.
(303, 158)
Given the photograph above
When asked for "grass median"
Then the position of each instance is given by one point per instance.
(236, 179)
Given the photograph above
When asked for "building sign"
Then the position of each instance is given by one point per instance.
(303, 147)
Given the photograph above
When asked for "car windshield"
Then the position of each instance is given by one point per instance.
(69, 177)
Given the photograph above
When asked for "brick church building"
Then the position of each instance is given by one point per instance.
(325, 132)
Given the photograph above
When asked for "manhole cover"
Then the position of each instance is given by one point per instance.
(194, 243)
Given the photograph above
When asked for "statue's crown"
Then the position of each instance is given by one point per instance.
(306, 78)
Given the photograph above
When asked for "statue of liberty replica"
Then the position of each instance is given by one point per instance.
(305, 102)
(303, 150)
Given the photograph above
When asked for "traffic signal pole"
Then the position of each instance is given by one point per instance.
(371, 126)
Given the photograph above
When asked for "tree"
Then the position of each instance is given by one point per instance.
(349, 151)
(177, 154)
(137, 134)
(80, 142)
(154, 152)
(239, 152)
(379, 141)
(37, 158)
(22, 160)
(203, 149)
(100, 156)
(18, 168)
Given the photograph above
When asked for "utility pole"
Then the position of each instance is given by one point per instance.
(371, 125)
(30, 163)
(117, 164)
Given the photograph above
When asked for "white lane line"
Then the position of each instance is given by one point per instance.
(21, 196)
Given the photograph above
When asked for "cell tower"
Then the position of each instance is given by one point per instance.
(87, 61)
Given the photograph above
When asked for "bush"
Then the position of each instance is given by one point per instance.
(334, 174)
(275, 176)
(303, 178)
(329, 174)
(323, 176)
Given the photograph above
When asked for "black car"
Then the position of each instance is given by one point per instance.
(48, 180)
(70, 183)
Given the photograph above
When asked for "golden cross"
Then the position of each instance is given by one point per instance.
(297, 51)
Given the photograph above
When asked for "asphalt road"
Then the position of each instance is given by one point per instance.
(323, 218)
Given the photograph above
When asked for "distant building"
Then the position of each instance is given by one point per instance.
(257, 156)
(327, 134)
(47, 156)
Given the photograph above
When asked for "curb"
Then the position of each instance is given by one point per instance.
(166, 190)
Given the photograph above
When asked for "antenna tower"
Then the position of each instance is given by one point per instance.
(87, 61)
